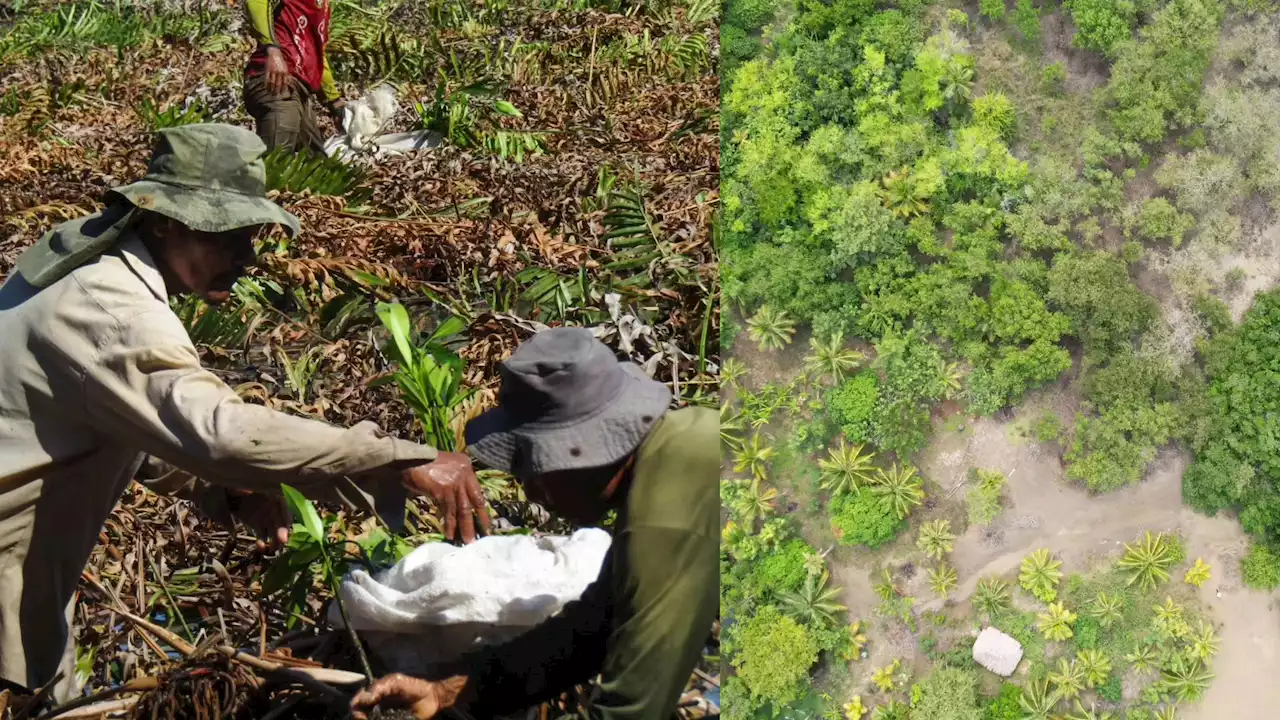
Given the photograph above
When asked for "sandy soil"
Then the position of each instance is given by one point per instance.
(1045, 511)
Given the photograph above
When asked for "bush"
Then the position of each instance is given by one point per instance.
(1086, 632)
(1158, 219)
(1102, 24)
(1053, 78)
(852, 406)
(750, 14)
(1047, 428)
(773, 656)
(1261, 568)
(736, 46)
(1094, 290)
(995, 110)
(948, 693)
(863, 518)
(782, 570)
(994, 9)
(1027, 19)
(1112, 690)
(1004, 706)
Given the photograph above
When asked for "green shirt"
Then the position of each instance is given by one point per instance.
(643, 623)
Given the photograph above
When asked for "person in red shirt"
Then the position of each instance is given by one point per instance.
(288, 71)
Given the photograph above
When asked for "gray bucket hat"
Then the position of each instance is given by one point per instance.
(209, 177)
(566, 403)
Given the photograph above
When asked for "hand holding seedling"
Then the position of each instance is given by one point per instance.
(424, 698)
(451, 482)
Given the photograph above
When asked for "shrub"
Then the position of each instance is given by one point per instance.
(774, 654)
(852, 405)
(1004, 706)
(1086, 629)
(782, 570)
(1158, 219)
(1112, 690)
(1047, 428)
(948, 693)
(1053, 78)
(1027, 19)
(1095, 292)
(1261, 568)
(751, 14)
(994, 9)
(995, 110)
(863, 518)
(983, 497)
(1102, 24)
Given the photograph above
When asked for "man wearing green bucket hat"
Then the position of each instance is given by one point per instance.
(97, 372)
(584, 433)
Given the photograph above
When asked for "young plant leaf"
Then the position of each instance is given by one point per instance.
(304, 511)
(507, 108)
(396, 319)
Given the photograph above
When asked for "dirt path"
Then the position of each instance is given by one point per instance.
(1045, 511)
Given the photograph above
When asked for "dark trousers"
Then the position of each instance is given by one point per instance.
(288, 119)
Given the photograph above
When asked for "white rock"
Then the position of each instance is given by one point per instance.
(997, 652)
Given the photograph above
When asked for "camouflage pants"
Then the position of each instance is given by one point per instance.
(288, 119)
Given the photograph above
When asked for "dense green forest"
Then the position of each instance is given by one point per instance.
(943, 211)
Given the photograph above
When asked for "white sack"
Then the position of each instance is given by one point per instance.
(443, 600)
(363, 121)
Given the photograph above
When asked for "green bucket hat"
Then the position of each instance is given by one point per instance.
(209, 177)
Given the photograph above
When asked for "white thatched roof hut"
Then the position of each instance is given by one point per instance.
(997, 652)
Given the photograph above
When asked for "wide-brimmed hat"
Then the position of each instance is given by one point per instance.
(566, 403)
(209, 177)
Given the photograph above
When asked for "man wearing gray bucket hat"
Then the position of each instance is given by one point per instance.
(585, 434)
(96, 371)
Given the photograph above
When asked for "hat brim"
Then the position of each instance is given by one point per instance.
(211, 211)
(498, 441)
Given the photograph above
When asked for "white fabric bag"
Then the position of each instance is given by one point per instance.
(443, 600)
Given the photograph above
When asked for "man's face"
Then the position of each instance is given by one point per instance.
(575, 495)
(207, 264)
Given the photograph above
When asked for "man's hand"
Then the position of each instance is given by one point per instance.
(423, 698)
(451, 482)
(278, 74)
(266, 515)
(335, 109)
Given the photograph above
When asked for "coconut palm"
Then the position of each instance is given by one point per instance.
(1040, 575)
(902, 195)
(831, 359)
(753, 457)
(951, 377)
(892, 710)
(1204, 643)
(1056, 623)
(1068, 680)
(814, 604)
(936, 538)
(854, 709)
(731, 371)
(845, 468)
(1169, 712)
(1148, 560)
(957, 83)
(942, 580)
(1144, 658)
(1169, 619)
(1092, 713)
(1036, 701)
(731, 427)
(772, 329)
(1096, 667)
(883, 677)
(1197, 574)
(755, 502)
(991, 596)
(886, 589)
(1107, 609)
(901, 486)
(1185, 678)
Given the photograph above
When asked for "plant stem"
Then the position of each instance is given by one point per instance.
(335, 586)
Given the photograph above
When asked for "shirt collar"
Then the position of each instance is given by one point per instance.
(139, 260)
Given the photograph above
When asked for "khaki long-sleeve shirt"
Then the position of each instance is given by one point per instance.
(95, 371)
(642, 625)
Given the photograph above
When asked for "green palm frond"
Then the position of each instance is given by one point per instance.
(1056, 623)
(1068, 679)
(991, 596)
(936, 539)
(815, 604)
(942, 580)
(901, 486)
(845, 468)
(1148, 560)
(831, 359)
(1040, 575)
(753, 457)
(1107, 608)
(315, 173)
(772, 329)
